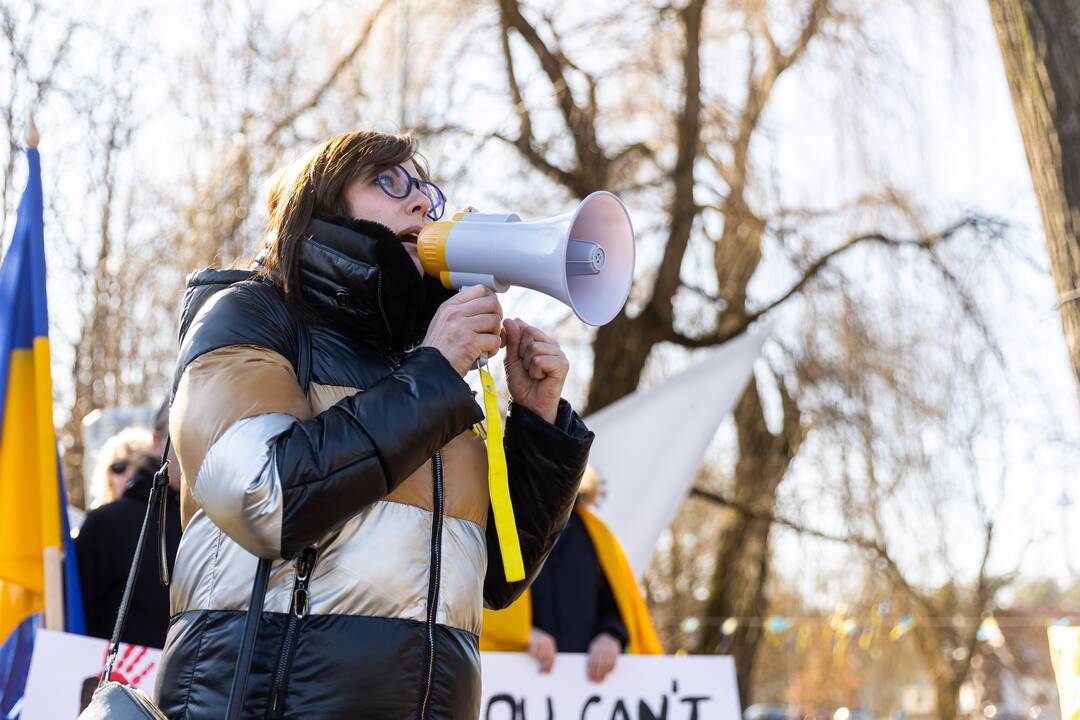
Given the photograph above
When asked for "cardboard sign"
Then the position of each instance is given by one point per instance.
(65, 668)
(641, 687)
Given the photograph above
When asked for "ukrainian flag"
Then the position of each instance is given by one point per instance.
(36, 556)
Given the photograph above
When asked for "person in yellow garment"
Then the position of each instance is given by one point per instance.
(585, 600)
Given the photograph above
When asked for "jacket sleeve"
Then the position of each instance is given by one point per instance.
(545, 463)
(608, 618)
(277, 483)
(275, 478)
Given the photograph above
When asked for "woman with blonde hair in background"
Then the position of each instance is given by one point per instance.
(116, 463)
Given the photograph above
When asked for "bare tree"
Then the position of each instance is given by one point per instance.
(29, 87)
(1041, 51)
(694, 166)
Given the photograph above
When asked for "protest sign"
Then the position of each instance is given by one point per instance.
(65, 668)
(642, 687)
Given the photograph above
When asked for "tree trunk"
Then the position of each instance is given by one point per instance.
(934, 646)
(1040, 46)
(742, 565)
(619, 353)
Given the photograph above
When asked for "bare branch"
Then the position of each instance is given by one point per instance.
(734, 329)
(343, 62)
(578, 121)
(684, 208)
(873, 547)
(819, 11)
(537, 160)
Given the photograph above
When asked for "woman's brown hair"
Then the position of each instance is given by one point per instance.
(314, 184)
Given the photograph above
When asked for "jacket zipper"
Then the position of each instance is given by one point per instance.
(434, 578)
(279, 688)
(435, 572)
(391, 354)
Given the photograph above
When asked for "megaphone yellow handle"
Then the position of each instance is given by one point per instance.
(499, 485)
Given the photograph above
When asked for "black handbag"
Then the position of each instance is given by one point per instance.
(115, 701)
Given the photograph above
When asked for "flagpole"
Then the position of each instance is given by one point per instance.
(52, 555)
(32, 135)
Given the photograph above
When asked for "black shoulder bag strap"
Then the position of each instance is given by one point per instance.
(262, 574)
(158, 492)
(158, 501)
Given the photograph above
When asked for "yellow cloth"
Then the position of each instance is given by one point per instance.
(29, 486)
(1065, 654)
(508, 630)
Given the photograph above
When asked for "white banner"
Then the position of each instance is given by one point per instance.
(650, 444)
(64, 672)
(641, 687)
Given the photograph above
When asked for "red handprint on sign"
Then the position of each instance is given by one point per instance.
(132, 664)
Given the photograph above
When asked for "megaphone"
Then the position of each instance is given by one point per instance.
(584, 258)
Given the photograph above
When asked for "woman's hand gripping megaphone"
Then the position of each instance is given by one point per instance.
(467, 326)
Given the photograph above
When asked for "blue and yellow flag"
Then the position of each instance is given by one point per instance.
(36, 557)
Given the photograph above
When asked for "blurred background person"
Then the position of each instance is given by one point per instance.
(115, 467)
(106, 542)
(585, 600)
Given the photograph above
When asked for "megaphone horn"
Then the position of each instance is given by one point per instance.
(584, 258)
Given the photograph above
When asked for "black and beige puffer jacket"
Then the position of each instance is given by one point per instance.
(367, 488)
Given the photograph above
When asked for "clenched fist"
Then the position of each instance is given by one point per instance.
(536, 368)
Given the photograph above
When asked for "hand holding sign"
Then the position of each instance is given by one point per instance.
(604, 651)
(542, 649)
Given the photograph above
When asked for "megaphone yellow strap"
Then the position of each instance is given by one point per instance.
(499, 485)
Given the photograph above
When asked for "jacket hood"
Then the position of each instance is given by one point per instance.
(201, 284)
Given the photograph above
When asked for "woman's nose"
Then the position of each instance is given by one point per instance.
(418, 203)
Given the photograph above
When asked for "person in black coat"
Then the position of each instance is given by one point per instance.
(105, 548)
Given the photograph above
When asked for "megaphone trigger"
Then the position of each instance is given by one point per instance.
(584, 258)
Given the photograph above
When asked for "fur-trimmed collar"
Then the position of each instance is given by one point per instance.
(357, 275)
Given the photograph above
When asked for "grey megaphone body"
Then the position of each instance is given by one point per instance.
(583, 258)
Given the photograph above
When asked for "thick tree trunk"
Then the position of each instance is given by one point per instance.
(619, 353)
(1040, 46)
(933, 647)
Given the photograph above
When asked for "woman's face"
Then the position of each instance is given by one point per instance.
(120, 471)
(406, 216)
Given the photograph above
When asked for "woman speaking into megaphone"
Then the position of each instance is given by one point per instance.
(322, 421)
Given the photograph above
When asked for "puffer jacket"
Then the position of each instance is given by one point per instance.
(367, 489)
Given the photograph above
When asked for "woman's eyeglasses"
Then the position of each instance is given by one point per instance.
(398, 183)
(118, 467)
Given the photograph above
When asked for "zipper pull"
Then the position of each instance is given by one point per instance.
(304, 565)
